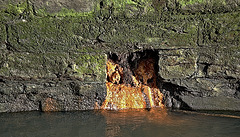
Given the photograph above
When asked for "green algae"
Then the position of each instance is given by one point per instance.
(190, 2)
(88, 36)
(17, 9)
(90, 67)
(25, 7)
(54, 65)
(21, 9)
(121, 4)
(64, 12)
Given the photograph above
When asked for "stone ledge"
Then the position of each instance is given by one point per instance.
(67, 95)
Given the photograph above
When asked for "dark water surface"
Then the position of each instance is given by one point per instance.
(131, 123)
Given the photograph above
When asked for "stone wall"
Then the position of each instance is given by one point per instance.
(53, 53)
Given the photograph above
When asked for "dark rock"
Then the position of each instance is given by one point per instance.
(45, 97)
(176, 104)
(168, 102)
(212, 103)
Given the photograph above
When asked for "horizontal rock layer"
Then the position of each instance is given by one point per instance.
(53, 53)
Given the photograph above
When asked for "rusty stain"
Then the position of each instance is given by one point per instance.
(124, 96)
(50, 104)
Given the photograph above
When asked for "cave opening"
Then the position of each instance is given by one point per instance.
(132, 81)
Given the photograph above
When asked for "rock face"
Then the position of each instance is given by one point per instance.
(53, 54)
(55, 95)
(58, 5)
(201, 83)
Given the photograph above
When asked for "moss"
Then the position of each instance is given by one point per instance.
(25, 10)
(85, 36)
(121, 4)
(90, 67)
(206, 6)
(3, 35)
(21, 10)
(190, 2)
(71, 12)
(126, 6)
(4, 71)
(177, 64)
(43, 34)
(219, 29)
(51, 34)
(17, 9)
(64, 12)
(35, 65)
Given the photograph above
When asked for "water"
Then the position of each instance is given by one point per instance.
(131, 123)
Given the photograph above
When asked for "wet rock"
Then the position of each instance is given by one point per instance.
(57, 96)
(3, 107)
(19, 103)
(212, 103)
(176, 104)
(50, 104)
(168, 102)
(237, 94)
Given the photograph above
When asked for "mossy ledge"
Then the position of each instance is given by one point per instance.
(57, 51)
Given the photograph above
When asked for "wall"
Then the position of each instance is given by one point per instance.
(53, 53)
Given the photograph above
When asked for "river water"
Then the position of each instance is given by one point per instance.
(128, 123)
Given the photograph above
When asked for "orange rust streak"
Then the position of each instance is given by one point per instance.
(146, 71)
(148, 91)
(50, 105)
(124, 96)
(114, 71)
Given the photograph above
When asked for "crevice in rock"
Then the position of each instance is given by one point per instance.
(171, 96)
(101, 4)
(8, 44)
(2, 80)
(40, 106)
(74, 88)
(205, 68)
(34, 9)
(238, 88)
(237, 93)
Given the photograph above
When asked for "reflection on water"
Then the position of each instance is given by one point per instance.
(125, 123)
(117, 120)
